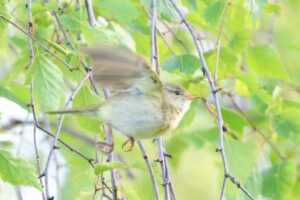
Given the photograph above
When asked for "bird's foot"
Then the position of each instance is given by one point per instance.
(106, 147)
(131, 141)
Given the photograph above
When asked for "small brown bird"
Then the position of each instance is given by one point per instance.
(140, 106)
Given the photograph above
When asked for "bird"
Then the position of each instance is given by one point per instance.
(140, 105)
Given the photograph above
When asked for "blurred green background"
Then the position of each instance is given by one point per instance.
(258, 72)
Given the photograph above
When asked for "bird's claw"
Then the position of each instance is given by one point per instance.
(131, 141)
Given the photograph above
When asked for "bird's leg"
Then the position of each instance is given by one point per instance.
(131, 141)
(106, 147)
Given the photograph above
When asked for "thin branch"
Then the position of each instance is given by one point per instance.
(30, 28)
(40, 44)
(253, 126)
(90, 12)
(151, 172)
(109, 137)
(69, 43)
(37, 156)
(218, 44)
(214, 90)
(163, 167)
(55, 139)
(153, 41)
(108, 133)
(154, 61)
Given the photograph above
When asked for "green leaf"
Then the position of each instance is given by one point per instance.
(123, 11)
(184, 63)
(11, 95)
(85, 97)
(287, 123)
(234, 120)
(47, 83)
(278, 181)
(100, 168)
(237, 161)
(164, 8)
(17, 171)
(265, 60)
(214, 11)
(239, 41)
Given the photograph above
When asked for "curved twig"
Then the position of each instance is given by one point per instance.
(214, 91)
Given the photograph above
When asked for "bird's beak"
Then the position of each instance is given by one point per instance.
(191, 97)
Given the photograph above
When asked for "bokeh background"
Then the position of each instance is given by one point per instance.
(257, 67)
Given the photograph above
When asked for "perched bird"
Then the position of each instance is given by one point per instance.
(140, 106)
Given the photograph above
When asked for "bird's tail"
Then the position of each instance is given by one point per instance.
(84, 109)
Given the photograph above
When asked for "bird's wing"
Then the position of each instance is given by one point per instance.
(118, 69)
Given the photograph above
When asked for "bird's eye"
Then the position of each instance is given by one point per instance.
(177, 92)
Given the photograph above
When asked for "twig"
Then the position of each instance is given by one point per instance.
(253, 126)
(30, 28)
(108, 133)
(69, 43)
(218, 44)
(40, 44)
(57, 179)
(109, 137)
(207, 73)
(55, 139)
(90, 12)
(37, 156)
(154, 61)
(153, 41)
(151, 172)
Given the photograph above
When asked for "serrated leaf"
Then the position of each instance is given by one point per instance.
(265, 60)
(279, 180)
(214, 11)
(85, 97)
(47, 83)
(186, 63)
(17, 171)
(100, 168)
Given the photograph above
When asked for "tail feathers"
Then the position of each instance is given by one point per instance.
(85, 109)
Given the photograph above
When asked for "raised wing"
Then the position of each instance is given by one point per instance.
(119, 69)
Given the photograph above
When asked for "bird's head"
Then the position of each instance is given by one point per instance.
(178, 96)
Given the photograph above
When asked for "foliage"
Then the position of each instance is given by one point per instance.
(257, 68)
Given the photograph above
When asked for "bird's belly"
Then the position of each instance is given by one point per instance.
(136, 117)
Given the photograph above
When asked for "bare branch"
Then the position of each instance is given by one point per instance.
(30, 27)
(218, 44)
(55, 139)
(153, 179)
(37, 157)
(154, 61)
(69, 43)
(40, 44)
(207, 73)
(90, 12)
